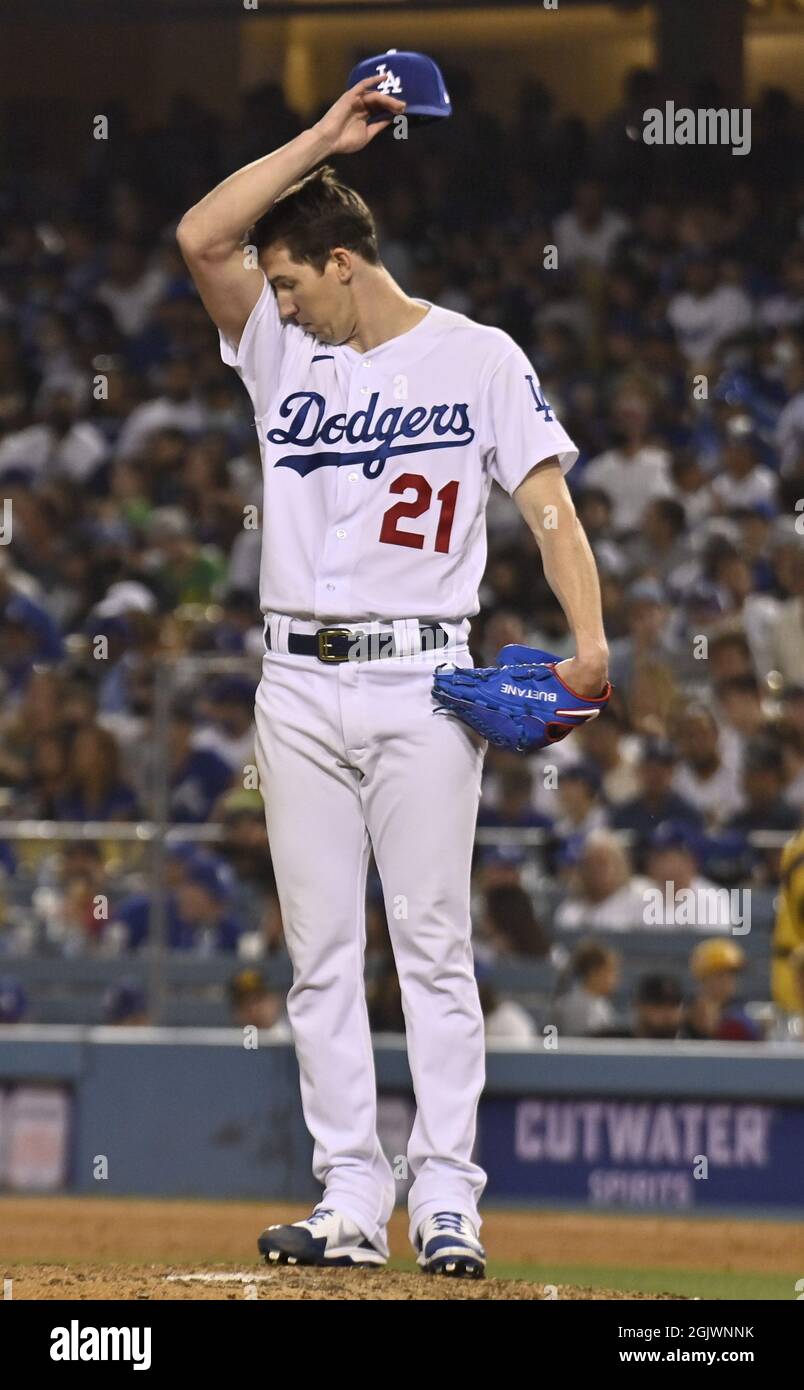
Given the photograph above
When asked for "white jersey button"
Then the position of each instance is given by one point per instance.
(330, 587)
(340, 533)
(364, 390)
(352, 477)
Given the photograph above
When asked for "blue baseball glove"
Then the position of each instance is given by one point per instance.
(520, 703)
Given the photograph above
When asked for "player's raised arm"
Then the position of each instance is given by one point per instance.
(544, 501)
(211, 234)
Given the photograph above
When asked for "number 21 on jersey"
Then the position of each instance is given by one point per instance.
(446, 497)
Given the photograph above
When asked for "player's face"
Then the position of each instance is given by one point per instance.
(315, 300)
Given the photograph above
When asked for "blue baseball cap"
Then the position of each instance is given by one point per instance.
(676, 835)
(410, 77)
(211, 873)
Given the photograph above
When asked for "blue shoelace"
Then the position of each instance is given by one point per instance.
(318, 1215)
(449, 1221)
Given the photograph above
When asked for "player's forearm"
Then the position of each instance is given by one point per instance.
(571, 572)
(569, 565)
(216, 225)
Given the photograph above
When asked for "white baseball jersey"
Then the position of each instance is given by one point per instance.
(377, 466)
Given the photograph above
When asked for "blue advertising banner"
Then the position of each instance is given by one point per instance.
(670, 1154)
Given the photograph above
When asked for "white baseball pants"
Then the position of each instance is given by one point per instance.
(351, 756)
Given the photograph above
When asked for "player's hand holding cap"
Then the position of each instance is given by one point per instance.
(411, 77)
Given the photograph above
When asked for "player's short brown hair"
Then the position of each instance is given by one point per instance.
(314, 216)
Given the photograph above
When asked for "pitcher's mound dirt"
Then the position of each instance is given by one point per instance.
(92, 1247)
(156, 1282)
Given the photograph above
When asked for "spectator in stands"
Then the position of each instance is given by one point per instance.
(660, 546)
(678, 895)
(64, 858)
(729, 656)
(78, 915)
(657, 1010)
(585, 1008)
(713, 1012)
(740, 707)
(742, 480)
(204, 922)
(45, 785)
(610, 750)
(588, 234)
(131, 912)
(505, 1020)
(765, 806)
(706, 311)
(239, 629)
(28, 637)
(180, 568)
(691, 487)
(650, 634)
(208, 494)
(637, 469)
(246, 851)
(500, 866)
(198, 776)
(733, 578)
(704, 778)
(580, 804)
(604, 895)
(513, 806)
(656, 801)
(652, 698)
(245, 840)
(131, 288)
(229, 732)
(59, 443)
(255, 1005)
(94, 788)
(786, 634)
(38, 716)
(510, 926)
(754, 542)
(594, 508)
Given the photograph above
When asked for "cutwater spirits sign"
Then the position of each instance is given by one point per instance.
(676, 1154)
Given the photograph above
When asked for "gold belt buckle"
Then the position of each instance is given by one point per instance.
(324, 637)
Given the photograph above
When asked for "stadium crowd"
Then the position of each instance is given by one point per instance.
(666, 325)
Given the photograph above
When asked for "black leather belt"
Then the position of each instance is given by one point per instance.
(335, 644)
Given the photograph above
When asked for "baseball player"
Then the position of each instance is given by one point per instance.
(382, 420)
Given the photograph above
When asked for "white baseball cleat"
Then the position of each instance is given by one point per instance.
(325, 1238)
(448, 1243)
